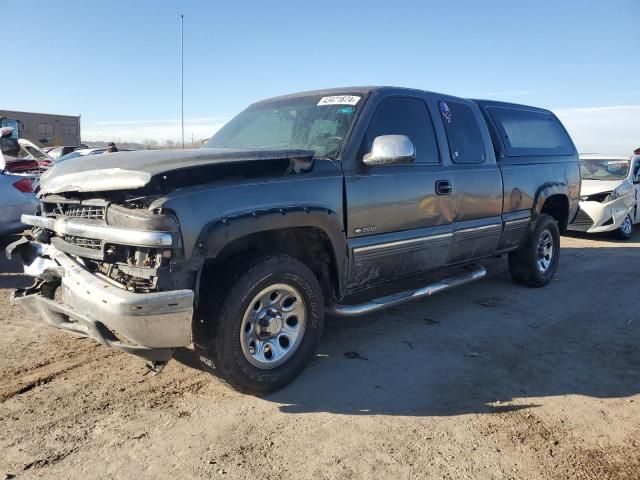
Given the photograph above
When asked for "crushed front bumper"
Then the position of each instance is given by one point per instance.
(596, 217)
(149, 325)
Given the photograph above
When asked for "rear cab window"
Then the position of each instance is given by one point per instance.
(528, 132)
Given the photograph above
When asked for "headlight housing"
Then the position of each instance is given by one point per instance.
(602, 197)
(613, 196)
(605, 197)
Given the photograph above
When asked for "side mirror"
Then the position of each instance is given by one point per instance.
(390, 150)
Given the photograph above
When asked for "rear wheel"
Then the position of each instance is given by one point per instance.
(536, 262)
(261, 333)
(625, 231)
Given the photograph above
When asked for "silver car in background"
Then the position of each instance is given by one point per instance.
(16, 198)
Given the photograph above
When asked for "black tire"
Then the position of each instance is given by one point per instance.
(625, 232)
(217, 338)
(523, 263)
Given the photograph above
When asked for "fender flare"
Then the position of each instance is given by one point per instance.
(216, 235)
(543, 193)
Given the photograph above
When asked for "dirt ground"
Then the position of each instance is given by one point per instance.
(491, 380)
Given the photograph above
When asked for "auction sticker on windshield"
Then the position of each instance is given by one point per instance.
(339, 100)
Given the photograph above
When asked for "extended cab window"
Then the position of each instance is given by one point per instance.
(530, 132)
(463, 134)
(404, 116)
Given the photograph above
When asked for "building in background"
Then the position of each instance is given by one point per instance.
(46, 129)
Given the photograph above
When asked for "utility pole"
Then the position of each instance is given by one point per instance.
(182, 76)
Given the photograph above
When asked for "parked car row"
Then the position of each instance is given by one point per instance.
(19, 155)
(21, 164)
(23, 156)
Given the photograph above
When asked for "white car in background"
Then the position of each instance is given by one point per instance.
(609, 195)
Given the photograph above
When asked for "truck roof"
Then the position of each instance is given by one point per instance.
(354, 90)
(365, 90)
(323, 92)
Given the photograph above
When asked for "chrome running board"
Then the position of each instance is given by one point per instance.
(408, 296)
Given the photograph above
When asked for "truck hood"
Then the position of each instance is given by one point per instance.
(590, 187)
(132, 170)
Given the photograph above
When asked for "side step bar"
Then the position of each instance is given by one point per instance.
(376, 304)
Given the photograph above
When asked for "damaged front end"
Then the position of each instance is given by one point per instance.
(108, 270)
(604, 211)
(108, 259)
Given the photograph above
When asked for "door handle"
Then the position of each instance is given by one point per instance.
(443, 187)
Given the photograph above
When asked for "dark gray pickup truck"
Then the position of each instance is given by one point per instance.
(301, 205)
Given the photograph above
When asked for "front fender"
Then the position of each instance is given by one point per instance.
(220, 233)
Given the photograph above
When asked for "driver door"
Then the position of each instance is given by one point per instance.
(397, 223)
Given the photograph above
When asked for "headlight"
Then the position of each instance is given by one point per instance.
(621, 191)
(140, 219)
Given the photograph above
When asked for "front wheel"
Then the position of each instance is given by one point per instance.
(625, 232)
(261, 333)
(536, 262)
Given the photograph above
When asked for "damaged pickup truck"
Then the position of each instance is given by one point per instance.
(298, 207)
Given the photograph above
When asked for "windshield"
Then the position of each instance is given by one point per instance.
(604, 169)
(313, 123)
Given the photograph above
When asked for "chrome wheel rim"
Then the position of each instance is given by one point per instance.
(626, 226)
(545, 251)
(273, 326)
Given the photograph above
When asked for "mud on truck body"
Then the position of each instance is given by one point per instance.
(298, 206)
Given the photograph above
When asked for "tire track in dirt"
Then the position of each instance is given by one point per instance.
(44, 374)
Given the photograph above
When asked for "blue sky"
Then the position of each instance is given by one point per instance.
(117, 62)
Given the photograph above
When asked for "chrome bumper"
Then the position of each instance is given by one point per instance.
(125, 236)
(148, 325)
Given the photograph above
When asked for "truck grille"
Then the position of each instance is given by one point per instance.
(85, 242)
(88, 212)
